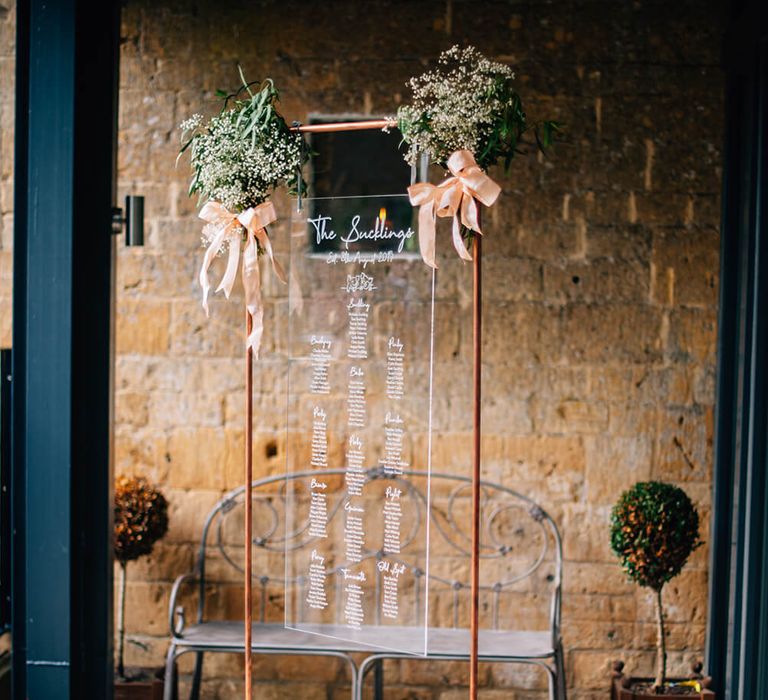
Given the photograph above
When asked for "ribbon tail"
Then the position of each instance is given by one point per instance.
(458, 243)
(228, 281)
(266, 244)
(253, 301)
(427, 233)
(207, 260)
(257, 330)
(469, 213)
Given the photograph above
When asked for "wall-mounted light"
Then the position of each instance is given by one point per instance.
(132, 219)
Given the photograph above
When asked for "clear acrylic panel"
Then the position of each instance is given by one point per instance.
(361, 339)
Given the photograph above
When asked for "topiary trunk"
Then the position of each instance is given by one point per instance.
(121, 623)
(661, 644)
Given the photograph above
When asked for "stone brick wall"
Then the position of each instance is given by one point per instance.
(601, 292)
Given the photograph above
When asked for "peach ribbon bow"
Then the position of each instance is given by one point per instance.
(224, 226)
(457, 197)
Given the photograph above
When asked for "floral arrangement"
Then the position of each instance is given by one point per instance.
(466, 116)
(242, 154)
(141, 519)
(468, 103)
(238, 158)
(654, 529)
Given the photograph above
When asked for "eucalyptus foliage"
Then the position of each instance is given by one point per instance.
(246, 151)
(469, 102)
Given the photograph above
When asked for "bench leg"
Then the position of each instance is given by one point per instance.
(170, 670)
(368, 662)
(552, 680)
(196, 678)
(560, 671)
(378, 680)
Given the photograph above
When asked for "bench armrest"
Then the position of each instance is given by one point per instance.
(176, 618)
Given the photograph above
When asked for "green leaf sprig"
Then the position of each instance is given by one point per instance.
(240, 156)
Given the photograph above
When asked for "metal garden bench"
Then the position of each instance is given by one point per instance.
(521, 570)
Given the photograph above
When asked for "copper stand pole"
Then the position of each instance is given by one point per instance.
(248, 504)
(477, 310)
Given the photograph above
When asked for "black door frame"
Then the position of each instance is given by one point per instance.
(66, 97)
(737, 638)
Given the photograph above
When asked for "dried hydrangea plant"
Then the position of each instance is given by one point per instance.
(141, 519)
(468, 102)
(242, 154)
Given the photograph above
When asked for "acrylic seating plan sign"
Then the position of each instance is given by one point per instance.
(359, 432)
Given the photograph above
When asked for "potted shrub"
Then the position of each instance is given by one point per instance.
(654, 529)
(141, 519)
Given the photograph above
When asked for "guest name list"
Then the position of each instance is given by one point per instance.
(358, 293)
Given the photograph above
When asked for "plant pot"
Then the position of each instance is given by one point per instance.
(140, 684)
(622, 687)
(622, 690)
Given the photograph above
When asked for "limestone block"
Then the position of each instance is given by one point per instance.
(167, 561)
(146, 607)
(611, 333)
(684, 597)
(590, 607)
(569, 417)
(185, 410)
(131, 408)
(595, 578)
(684, 447)
(142, 327)
(198, 457)
(187, 510)
(585, 532)
(617, 241)
(590, 670)
(693, 336)
(598, 634)
(686, 263)
(596, 281)
(518, 677)
(614, 464)
(680, 636)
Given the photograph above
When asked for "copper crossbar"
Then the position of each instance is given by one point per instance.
(346, 126)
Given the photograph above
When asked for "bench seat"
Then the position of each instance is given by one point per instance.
(442, 642)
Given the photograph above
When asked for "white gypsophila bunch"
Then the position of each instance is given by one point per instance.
(466, 102)
(459, 99)
(241, 155)
(238, 172)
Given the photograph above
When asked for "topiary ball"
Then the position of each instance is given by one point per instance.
(654, 529)
(141, 518)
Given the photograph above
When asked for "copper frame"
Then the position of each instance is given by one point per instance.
(476, 435)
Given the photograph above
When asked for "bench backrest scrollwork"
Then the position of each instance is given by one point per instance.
(521, 549)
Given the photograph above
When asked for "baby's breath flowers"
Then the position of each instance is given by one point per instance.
(241, 155)
(468, 102)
